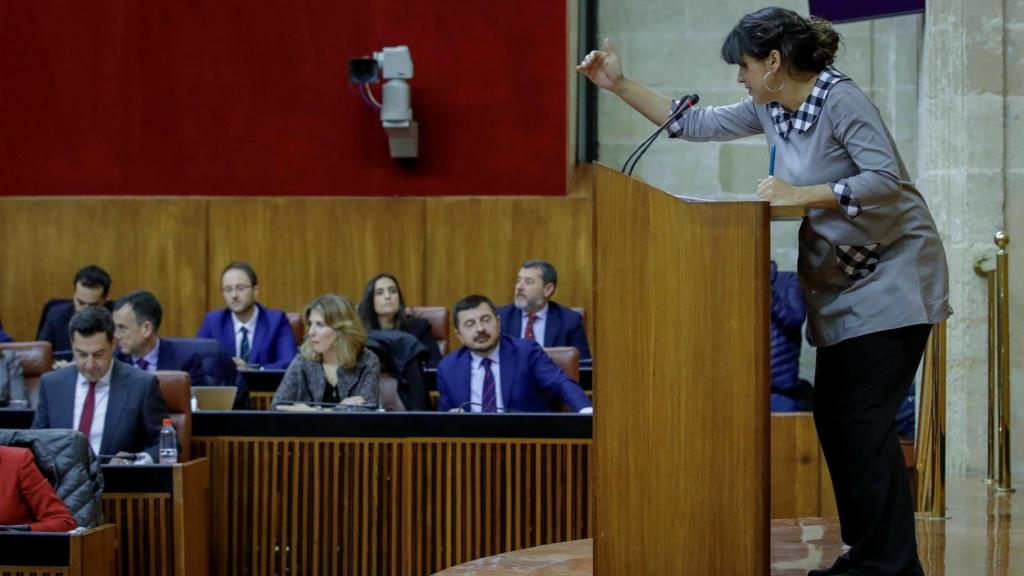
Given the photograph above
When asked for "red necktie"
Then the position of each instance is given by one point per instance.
(142, 364)
(85, 422)
(529, 327)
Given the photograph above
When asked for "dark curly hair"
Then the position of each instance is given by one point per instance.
(806, 44)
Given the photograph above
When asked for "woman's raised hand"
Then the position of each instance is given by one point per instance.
(602, 67)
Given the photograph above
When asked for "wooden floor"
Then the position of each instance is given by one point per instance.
(979, 538)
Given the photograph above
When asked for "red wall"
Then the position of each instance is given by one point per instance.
(230, 97)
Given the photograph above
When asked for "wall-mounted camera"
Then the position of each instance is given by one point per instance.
(394, 64)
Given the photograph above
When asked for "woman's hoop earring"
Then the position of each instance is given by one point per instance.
(766, 87)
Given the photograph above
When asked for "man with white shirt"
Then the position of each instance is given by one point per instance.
(254, 335)
(137, 317)
(117, 406)
(533, 315)
(498, 373)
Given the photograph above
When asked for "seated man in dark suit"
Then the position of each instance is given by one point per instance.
(117, 406)
(493, 372)
(137, 317)
(92, 284)
(534, 316)
(252, 334)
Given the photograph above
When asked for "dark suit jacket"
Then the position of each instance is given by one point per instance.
(172, 357)
(273, 345)
(135, 409)
(420, 328)
(53, 327)
(563, 326)
(26, 497)
(530, 380)
(4, 337)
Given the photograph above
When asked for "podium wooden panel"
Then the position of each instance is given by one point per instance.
(681, 429)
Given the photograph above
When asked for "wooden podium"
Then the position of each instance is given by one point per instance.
(681, 429)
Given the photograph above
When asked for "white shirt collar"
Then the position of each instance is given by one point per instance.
(494, 356)
(250, 325)
(151, 358)
(542, 314)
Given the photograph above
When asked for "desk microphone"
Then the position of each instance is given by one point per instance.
(323, 406)
(128, 457)
(688, 102)
(462, 408)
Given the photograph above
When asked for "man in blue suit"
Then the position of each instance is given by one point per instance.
(534, 316)
(117, 406)
(92, 284)
(137, 317)
(3, 335)
(255, 336)
(493, 372)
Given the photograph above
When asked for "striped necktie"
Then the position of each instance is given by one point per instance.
(490, 399)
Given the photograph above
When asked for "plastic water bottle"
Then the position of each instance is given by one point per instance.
(168, 443)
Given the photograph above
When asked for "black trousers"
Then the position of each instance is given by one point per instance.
(859, 385)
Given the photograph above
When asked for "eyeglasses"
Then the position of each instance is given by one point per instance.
(229, 290)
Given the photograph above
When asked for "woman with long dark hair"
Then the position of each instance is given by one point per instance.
(871, 262)
(383, 308)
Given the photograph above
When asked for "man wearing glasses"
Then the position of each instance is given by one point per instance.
(255, 336)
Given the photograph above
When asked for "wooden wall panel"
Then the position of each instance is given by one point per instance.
(440, 249)
(304, 247)
(158, 244)
(475, 245)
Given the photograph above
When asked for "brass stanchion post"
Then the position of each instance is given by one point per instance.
(1003, 358)
(986, 268)
(990, 278)
(938, 509)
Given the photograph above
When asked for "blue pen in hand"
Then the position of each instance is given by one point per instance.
(771, 161)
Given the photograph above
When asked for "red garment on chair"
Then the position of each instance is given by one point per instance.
(26, 497)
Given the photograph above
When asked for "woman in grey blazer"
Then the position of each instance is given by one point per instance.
(333, 365)
(871, 262)
(12, 380)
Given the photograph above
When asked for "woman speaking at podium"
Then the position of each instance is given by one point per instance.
(870, 261)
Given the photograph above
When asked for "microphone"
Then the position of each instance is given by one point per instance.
(128, 457)
(688, 102)
(309, 404)
(325, 406)
(462, 408)
(468, 403)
